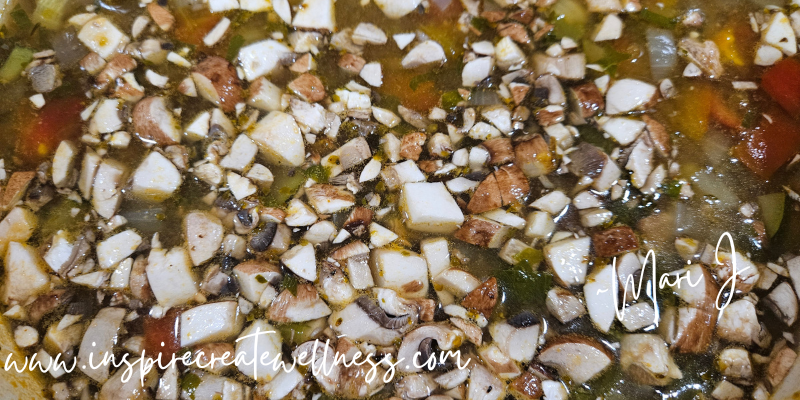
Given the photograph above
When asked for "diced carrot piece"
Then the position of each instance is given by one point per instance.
(191, 26)
(771, 144)
(782, 83)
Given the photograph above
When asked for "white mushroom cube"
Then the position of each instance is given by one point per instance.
(17, 226)
(259, 341)
(254, 277)
(627, 95)
(301, 260)
(299, 214)
(508, 54)
(372, 74)
(211, 322)
(779, 33)
(400, 270)
(569, 259)
(476, 71)
(25, 274)
(564, 305)
(321, 232)
(624, 130)
(395, 9)
(98, 342)
(427, 52)
(170, 276)
(106, 118)
(261, 176)
(437, 255)
(261, 58)
(102, 37)
(540, 224)
(315, 14)
(553, 202)
(222, 5)
(395, 176)
(329, 199)
(156, 178)
(203, 233)
(242, 153)
(430, 207)
(240, 186)
(107, 188)
(380, 236)
(518, 343)
(738, 322)
(767, 55)
(638, 316)
(63, 163)
(279, 139)
(457, 282)
(59, 252)
(600, 297)
(117, 248)
(610, 28)
(265, 95)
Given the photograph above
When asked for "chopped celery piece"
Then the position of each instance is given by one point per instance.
(772, 210)
(569, 19)
(50, 13)
(522, 287)
(15, 64)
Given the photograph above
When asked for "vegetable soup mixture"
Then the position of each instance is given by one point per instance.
(399, 199)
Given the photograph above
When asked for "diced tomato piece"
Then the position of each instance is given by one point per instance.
(162, 336)
(771, 144)
(191, 26)
(40, 133)
(782, 83)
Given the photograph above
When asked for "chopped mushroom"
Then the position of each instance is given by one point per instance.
(483, 298)
(483, 232)
(706, 55)
(154, 121)
(402, 271)
(578, 357)
(568, 259)
(564, 305)
(306, 305)
(646, 359)
(783, 303)
(627, 95)
(427, 52)
(217, 82)
(98, 342)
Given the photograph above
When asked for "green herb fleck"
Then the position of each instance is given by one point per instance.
(450, 100)
(318, 173)
(234, 45)
(522, 287)
(289, 283)
(480, 24)
(656, 19)
(529, 258)
(189, 384)
(261, 279)
(673, 188)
